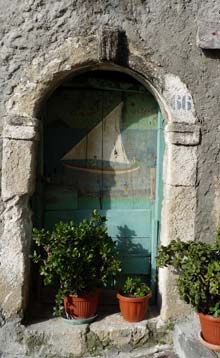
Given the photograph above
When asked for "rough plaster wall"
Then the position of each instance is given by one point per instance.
(167, 30)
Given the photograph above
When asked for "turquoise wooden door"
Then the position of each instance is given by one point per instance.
(102, 149)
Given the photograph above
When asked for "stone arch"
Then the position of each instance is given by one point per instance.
(21, 132)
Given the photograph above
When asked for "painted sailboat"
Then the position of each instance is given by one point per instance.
(107, 157)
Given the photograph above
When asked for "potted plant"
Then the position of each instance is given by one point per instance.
(81, 258)
(133, 299)
(198, 268)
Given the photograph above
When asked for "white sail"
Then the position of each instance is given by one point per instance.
(108, 131)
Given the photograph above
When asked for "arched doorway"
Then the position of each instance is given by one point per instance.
(102, 148)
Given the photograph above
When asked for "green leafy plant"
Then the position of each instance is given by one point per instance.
(134, 287)
(81, 257)
(198, 267)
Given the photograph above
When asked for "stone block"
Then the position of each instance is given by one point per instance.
(178, 213)
(55, 338)
(208, 35)
(179, 101)
(18, 120)
(178, 221)
(109, 41)
(181, 165)
(21, 132)
(18, 171)
(172, 306)
(18, 127)
(11, 340)
(114, 330)
(14, 256)
(9, 289)
(182, 134)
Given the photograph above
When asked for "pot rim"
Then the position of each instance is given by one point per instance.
(85, 295)
(208, 317)
(133, 299)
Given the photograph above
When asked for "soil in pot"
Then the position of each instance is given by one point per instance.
(134, 309)
(84, 306)
(210, 327)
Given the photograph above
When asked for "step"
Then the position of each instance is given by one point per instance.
(109, 336)
(186, 341)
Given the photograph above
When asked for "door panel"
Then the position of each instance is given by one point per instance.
(101, 152)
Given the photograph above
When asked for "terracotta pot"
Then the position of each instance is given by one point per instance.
(81, 307)
(210, 327)
(212, 347)
(134, 309)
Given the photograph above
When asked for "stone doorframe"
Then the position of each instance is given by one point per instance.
(20, 136)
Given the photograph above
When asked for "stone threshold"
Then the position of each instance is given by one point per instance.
(109, 336)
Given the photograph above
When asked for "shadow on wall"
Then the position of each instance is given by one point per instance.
(136, 259)
(213, 54)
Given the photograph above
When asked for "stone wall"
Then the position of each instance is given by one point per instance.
(42, 42)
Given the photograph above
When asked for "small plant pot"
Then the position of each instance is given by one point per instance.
(210, 327)
(134, 309)
(81, 307)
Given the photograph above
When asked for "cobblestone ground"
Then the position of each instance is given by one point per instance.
(156, 355)
(165, 354)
